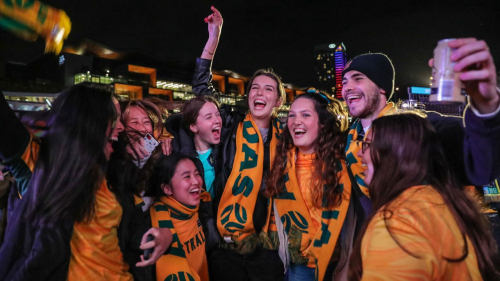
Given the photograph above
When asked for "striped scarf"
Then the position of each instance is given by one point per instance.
(174, 265)
(236, 208)
(305, 242)
(30, 19)
(354, 145)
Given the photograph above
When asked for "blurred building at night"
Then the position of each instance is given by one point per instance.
(34, 86)
(330, 61)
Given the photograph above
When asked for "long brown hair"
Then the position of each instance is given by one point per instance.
(71, 165)
(405, 152)
(329, 148)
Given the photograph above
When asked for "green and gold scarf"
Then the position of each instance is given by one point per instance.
(173, 265)
(303, 240)
(354, 145)
(236, 208)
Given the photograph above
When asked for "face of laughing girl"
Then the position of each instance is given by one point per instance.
(207, 127)
(186, 184)
(138, 120)
(262, 99)
(303, 124)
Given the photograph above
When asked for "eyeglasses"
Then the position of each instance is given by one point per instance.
(365, 145)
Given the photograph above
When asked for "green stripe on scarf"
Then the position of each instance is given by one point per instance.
(354, 145)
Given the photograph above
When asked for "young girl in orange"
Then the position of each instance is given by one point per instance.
(312, 189)
(179, 186)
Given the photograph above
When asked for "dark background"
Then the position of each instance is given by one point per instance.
(277, 34)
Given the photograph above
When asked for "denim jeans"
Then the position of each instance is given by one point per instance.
(300, 272)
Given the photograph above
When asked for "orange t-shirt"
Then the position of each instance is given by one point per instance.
(424, 226)
(95, 254)
(304, 169)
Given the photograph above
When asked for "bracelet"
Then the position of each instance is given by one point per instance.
(208, 52)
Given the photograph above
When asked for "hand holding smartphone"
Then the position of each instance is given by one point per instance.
(148, 251)
(150, 143)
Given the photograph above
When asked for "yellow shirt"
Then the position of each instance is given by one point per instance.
(95, 254)
(425, 227)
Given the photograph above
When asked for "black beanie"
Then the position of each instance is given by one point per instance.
(378, 67)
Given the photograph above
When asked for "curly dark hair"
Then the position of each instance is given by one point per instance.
(329, 148)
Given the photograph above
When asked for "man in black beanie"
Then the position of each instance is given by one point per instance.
(374, 74)
(368, 84)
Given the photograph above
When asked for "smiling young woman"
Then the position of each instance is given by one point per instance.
(197, 132)
(309, 182)
(63, 192)
(245, 155)
(178, 184)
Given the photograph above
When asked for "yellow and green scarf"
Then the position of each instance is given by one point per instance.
(236, 208)
(29, 19)
(173, 265)
(354, 145)
(303, 241)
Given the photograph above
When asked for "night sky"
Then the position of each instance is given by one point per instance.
(278, 34)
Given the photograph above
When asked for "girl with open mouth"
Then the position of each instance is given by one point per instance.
(179, 188)
(312, 189)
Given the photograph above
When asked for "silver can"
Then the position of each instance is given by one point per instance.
(446, 88)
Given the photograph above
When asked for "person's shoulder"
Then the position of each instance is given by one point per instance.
(418, 207)
(416, 196)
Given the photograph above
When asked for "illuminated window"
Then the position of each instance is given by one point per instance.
(106, 80)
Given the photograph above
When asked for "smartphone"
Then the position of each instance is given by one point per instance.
(150, 143)
(148, 252)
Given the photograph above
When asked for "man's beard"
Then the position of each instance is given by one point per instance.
(372, 104)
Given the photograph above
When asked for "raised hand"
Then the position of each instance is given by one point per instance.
(474, 60)
(214, 22)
